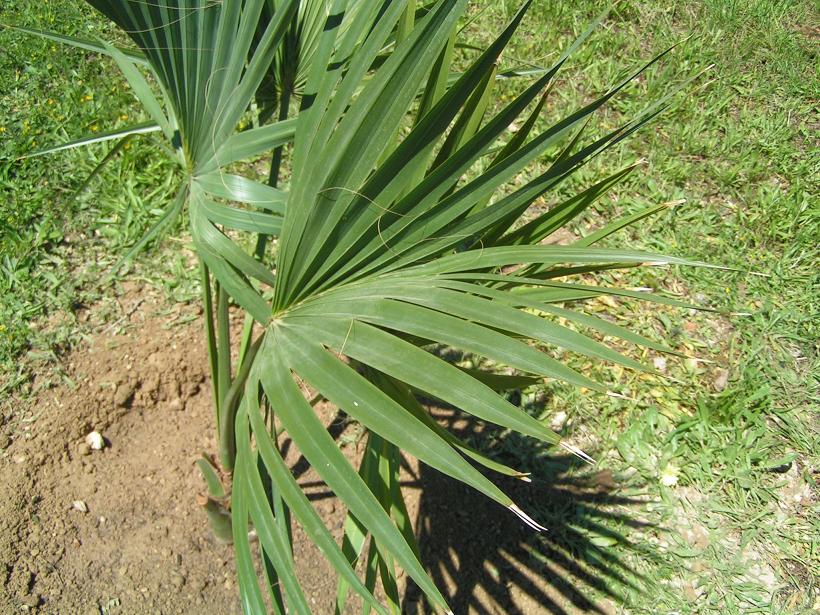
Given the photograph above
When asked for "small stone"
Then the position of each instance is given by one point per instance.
(19, 459)
(721, 379)
(80, 506)
(660, 364)
(558, 421)
(84, 449)
(176, 405)
(95, 441)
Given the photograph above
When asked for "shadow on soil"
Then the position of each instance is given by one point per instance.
(487, 561)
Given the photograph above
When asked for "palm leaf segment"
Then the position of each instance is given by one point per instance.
(385, 248)
(288, 71)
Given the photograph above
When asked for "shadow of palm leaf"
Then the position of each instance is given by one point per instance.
(487, 562)
(484, 559)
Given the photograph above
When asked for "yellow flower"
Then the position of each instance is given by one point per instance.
(123, 117)
(94, 128)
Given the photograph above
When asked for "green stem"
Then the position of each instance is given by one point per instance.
(262, 240)
(281, 509)
(220, 521)
(387, 568)
(281, 513)
(272, 577)
(210, 334)
(223, 337)
(227, 425)
(276, 159)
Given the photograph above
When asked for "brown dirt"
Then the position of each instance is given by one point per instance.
(143, 546)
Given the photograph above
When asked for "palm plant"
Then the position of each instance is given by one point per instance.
(394, 234)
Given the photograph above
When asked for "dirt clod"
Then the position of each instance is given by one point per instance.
(177, 580)
(124, 395)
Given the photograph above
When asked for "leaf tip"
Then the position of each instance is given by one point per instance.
(578, 452)
(620, 396)
(526, 518)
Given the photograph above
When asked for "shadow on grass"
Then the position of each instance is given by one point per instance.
(486, 561)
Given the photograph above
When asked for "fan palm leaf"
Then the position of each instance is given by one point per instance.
(384, 251)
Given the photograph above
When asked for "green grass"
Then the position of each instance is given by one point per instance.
(56, 243)
(739, 433)
(738, 531)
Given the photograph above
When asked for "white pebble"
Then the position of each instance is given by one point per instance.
(80, 506)
(558, 420)
(95, 440)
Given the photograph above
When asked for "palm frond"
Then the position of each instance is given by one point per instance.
(386, 248)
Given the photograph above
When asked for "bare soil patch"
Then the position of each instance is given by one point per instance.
(119, 531)
(142, 546)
